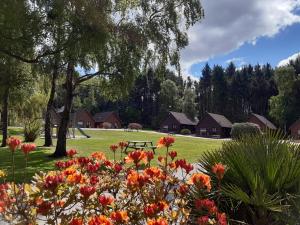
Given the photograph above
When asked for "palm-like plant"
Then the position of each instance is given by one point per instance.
(261, 185)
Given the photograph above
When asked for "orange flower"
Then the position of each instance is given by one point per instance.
(219, 170)
(120, 217)
(165, 142)
(105, 200)
(75, 178)
(26, 148)
(155, 173)
(159, 221)
(151, 210)
(99, 155)
(13, 143)
(201, 180)
(135, 179)
(2, 206)
(100, 220)
(71, 153)
(76, 221)
(136, 157)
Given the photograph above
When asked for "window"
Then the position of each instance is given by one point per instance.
(80, 123)
(174, 126)
(88, 124)
(203, 131)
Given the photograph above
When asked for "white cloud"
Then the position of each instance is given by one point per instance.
(286, 61)
(228, 24)
(238, 61)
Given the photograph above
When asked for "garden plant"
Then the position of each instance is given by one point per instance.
(94, 190)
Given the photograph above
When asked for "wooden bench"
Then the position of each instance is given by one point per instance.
(142, 145)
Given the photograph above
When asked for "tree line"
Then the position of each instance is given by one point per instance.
(233, 92)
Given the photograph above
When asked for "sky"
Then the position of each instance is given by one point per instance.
(243, 31)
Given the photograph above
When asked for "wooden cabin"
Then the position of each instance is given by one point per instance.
(107, 117)
(262, 122)
(295, 130)
(83, 119)
(214, 126)
(176, 121)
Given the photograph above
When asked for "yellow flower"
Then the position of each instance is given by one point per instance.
(2, 174)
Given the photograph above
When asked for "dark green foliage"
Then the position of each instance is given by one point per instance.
(261, 185)
(185, 132)
(32, 131)
(243, 129)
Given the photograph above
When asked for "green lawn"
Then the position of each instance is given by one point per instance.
(187, 147)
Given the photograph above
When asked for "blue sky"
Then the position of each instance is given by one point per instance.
(247, 31)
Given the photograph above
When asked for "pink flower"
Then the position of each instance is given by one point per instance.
(26, 148)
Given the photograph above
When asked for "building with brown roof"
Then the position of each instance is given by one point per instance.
(214, 125)
(107, 117)
(176, 121)
(295, 130)
(83, 119)
(261, 121)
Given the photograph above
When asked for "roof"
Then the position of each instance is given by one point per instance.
(265, 121)
(102, 117)
(183, 119)
(75, 116)
(221, 120)
(295, 123)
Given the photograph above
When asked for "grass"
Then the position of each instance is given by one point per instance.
(187, 147)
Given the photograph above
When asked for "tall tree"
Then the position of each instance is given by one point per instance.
(188, 103)
(219, 90)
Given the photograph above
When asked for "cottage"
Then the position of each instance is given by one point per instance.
(82, 119)
(214, 125)
(107, 117)
(176, 121)
(295, 130)
(261, 121)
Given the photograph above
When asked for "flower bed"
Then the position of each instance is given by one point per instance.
(97, 191)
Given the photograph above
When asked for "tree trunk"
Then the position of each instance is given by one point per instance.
(48, 134)
(4, 116)
(60, 150)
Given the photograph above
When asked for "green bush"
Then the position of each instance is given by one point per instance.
(32, 130)
(261, 185)
(185, 132)
(243, 129)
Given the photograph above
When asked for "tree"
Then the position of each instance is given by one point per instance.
(219, 90)
(189, 105)
(13, 76)
(118, 47)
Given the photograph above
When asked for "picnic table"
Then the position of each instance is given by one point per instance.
(142, 145)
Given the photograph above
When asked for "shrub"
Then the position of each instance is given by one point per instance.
(107, 125)
(261, 185)
(185, 132)
(95, 190)
(32, 130)
(241, 129)
(135, 126)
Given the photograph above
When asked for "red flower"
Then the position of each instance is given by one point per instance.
(13, 143)
(43, 207)
(76, 221)
(165, 142)
(122, 144)
(118, 168)
(94, 180)
(173, 154)
(203, 220)
(71, 153)
(206, 204)
(219, 170)
(87, 191)
(152, 209)
(201, 181)
(222, 220)
(136, 157)
(99, 220)
(188, 168)
(105, 200)
(135, 179)
(83, 161)
(92, 168)
(120, 217)
(26, 148)
(113, 147)
(150, 155)
(183, 189)
(51, 182)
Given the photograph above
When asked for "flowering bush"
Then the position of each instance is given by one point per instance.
(96, 191)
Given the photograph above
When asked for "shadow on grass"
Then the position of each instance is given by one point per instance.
(38, 160)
